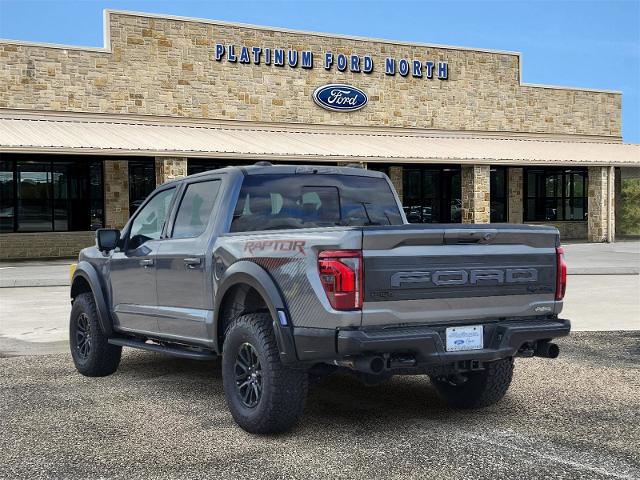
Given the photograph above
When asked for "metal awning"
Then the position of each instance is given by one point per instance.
(242, 140)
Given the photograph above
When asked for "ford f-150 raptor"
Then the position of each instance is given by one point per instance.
(288, 272)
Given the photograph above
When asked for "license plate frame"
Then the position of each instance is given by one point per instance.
(464, 339)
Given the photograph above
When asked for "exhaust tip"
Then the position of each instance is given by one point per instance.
(553, 350)
(377, 365)
(547, 350)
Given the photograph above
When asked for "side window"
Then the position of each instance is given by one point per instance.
(150, 220)
(195, 209)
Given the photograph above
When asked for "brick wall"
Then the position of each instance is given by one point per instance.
(167, 67)
(14, 246)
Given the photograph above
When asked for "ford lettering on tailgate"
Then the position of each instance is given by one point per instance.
(464, 277)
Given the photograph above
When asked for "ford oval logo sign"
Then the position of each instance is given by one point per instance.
(340, 98)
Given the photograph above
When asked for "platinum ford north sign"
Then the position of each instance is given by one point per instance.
(340, 98)
(305, 59)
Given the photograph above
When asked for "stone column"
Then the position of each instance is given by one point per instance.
(116, 193)
(601, 217)
(395, 175)
(170, 168)
(515, 189)
(475, 193)
(618, 201)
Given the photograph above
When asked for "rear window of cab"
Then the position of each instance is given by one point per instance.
(278, 202)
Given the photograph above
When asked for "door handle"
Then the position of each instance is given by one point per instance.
(192, 262)
(147, 262)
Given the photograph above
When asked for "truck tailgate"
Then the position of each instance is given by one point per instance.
(458, 273)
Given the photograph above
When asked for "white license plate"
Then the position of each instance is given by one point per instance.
(464, 338)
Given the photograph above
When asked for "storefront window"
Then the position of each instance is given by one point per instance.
(45, 194)
(379, 168)
(35, 212)
(432, 194)
(555, 194)
(498, 194)
(142, 181)
(202, 165)
(7, 200)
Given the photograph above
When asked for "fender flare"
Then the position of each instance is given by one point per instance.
(251, 274)
(88, 272)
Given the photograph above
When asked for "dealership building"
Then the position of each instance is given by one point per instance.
(87, 133)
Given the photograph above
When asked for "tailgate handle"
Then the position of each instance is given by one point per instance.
(469, 237)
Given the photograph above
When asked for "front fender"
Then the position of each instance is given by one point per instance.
(88, 272)
(249, 273)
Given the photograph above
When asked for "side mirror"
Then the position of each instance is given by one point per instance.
(107, 239)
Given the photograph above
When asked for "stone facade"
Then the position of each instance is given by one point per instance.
(475, 193)
(14, 246)
(116, 193)
(170, 168)
(167, 67)
(515, 200)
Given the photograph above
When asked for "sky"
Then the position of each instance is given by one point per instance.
(577, 43)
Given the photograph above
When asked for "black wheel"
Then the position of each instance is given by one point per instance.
(481, 389)
(92, 355)
(263, 395)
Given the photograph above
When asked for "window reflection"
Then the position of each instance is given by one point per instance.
(555, 194)
(52, 194)
(432, 194)
(7, 191)
(498, 194)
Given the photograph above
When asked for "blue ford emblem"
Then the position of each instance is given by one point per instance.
(459, 342)
(340, 98)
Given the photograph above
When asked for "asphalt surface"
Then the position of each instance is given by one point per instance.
(159, 417)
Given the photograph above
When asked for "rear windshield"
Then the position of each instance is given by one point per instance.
(275, 202)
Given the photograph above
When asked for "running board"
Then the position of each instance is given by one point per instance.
(152, 347)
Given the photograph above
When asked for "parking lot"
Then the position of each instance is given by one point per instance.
(160, 417)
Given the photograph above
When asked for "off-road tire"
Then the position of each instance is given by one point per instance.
(101, 358)
(482, 388)
(283, 389)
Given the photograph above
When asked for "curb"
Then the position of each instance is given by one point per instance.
(40, 282)
(604, 271)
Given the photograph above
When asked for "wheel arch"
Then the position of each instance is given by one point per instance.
(251, 286)
(86, 280)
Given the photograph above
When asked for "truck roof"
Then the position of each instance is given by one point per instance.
(265, 168)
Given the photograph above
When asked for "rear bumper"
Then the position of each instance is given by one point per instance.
(425, 343)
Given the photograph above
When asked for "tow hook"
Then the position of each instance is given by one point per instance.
(456, 379)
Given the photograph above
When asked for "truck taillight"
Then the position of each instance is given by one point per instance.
(341, 277)
(561, 274)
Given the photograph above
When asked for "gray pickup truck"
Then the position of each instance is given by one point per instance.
(292, 272)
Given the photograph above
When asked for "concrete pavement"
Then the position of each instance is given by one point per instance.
(621, 258)
(44, 273)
